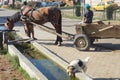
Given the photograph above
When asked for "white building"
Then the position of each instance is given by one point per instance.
(92, 2)
(95, 2)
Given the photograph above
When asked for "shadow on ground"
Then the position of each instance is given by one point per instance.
(106, 79)
(106, 47)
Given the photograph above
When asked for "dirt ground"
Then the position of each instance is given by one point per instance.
(7, 72)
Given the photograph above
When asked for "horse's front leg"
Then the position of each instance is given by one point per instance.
(27, 30)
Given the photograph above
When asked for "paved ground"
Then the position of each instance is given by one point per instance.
(103, 64)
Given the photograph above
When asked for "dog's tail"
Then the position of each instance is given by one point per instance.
(86, 59)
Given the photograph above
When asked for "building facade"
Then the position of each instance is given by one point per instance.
(91, 2)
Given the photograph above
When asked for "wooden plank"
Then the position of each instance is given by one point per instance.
(21, 40)
(103, 29)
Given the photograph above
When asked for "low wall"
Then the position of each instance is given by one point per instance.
(26, 64)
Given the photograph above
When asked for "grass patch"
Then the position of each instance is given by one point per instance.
(16, 65)
(3, 52)
(24, 73)
(29, 50)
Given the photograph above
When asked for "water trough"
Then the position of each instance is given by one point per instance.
(46, 66)
(39, 67)
(31, 66)
(33, 70)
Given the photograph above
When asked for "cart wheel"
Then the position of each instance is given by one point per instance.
(82, 42)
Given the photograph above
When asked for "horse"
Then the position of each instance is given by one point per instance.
(38, 16)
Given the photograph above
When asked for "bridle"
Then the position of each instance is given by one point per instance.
(24, 16)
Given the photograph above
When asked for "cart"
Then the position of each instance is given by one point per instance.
(87, 33)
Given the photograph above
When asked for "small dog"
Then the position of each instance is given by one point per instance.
(77, 66)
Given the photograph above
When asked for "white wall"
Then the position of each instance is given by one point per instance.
(92, 2)
(117, 1)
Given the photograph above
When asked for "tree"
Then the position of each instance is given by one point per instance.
(77, 7)
(13, 3)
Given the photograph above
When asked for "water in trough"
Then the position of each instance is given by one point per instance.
(48, 67)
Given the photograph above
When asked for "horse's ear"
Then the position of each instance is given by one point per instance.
(8, 19)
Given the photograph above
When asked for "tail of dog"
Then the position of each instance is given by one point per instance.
(86, 59)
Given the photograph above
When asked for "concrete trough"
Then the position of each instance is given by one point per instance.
(58, 60)
(55, 58)
(26, 64)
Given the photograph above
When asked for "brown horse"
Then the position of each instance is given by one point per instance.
(39, 16)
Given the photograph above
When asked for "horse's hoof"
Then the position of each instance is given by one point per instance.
(34, 38)
(56, 43)
(59, 44)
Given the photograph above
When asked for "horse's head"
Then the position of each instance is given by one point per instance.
(9, 24)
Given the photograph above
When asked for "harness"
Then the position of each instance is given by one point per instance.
(33, 19)
(24, 17)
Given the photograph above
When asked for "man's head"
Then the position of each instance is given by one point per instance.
(87, 6)
(25, 2)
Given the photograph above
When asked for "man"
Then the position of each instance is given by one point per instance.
(88, 16)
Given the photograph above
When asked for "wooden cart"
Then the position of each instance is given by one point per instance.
(87, 33)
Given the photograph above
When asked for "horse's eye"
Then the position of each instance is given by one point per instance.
(7, 23)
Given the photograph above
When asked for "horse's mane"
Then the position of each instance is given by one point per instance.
(16, 17)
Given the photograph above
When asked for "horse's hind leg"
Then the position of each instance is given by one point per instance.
(56, 20)
(58, 39)
(59, 31)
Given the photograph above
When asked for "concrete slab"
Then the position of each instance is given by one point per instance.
(26, 64)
